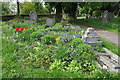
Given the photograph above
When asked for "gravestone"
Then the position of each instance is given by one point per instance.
(106, 16)
(91, 37)
(33, 15)
(50, 22)
(29, 21)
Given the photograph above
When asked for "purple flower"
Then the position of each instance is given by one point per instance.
(92, 48)
(72, 37)
(85, 39)
(86, 42)
(46, 33)
(32, 46)
(21, 39)
(73, 53)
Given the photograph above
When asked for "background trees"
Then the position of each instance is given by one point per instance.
(70, 8)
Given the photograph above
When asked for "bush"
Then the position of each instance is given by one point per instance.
(19, 24)
(76, 42)
(48, 39)
(36, 35)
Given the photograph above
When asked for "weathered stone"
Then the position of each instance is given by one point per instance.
(50, 22)
(64, 23)
(33, 15)
(29, 21)
(91, 37)
(106, 16)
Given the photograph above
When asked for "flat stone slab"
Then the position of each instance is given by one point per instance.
(113, 56)
(108, 60)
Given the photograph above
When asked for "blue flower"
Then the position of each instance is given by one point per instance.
(21, 39)
(46, 33)
(72, 37)
(86, 42)
(73, 53)
(92, 48)
(85, 39)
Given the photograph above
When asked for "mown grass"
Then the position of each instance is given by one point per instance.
(112, 25)
(115, 49)
(81, 17)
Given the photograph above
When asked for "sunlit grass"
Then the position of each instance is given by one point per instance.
(81, 17)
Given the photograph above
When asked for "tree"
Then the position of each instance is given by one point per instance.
(57, 6)
(26, 7)
(70, 8)
(5, 8)
(18, 9)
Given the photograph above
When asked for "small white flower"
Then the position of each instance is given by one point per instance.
(104, 67)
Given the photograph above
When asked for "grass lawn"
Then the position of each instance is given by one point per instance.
(81, 17)
(115, 49)
(113, 25)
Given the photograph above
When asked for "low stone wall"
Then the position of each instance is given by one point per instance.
(9, 17)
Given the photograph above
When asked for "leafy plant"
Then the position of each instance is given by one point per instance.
(48, 39)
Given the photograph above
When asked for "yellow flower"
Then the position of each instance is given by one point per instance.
(13, 70)
(57, 39)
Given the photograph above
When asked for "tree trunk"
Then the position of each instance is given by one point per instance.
(59, 11)
(91, 14)
(73, 10)
(18, 9)
(87, 14)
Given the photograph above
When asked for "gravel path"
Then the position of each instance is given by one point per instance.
(110, 36)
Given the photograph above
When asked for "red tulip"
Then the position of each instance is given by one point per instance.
(17, 28)
(20, 30)
(26, 27)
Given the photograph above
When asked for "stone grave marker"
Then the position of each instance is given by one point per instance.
(33, 17)
(50, 22)
(106, 16)
(91, 37)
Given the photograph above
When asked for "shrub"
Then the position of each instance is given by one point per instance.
(36, 35)
(76, 41)
(16, 24)
(48, 39)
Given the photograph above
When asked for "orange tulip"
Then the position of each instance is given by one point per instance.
(57, 39)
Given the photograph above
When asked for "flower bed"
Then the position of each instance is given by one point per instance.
(47, 52)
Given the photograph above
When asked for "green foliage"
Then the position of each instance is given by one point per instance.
(98, 48)
(115, 49)
(19, 24)
(112, 25)
(48, 39)
(75, 42)
(26, 7)
(36, 35)
(21, 58)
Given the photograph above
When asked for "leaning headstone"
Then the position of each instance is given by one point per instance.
(50, 22)
(64, 23)
(91, 37)
(33, 15)
(106, 16)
